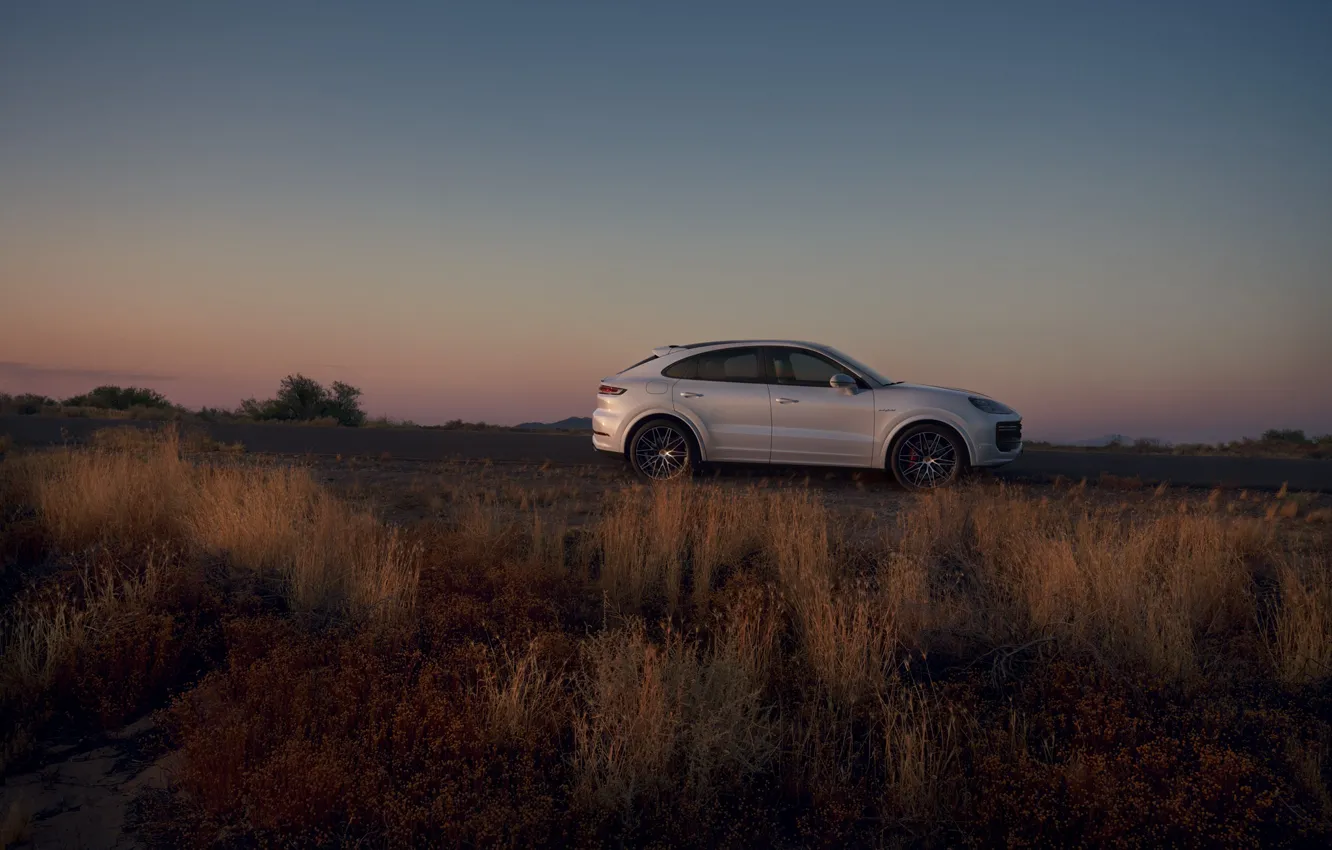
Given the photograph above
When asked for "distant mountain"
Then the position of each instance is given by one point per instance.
(573, 423)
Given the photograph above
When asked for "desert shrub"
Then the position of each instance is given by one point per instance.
(460, 425)
(387, 422)
(1284, 435)
(25, 404)
(351, 738)
(1088, 759)
(119, 398)
(302, 399)
(1150, 444)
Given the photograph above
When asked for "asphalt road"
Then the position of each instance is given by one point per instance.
(502, 446)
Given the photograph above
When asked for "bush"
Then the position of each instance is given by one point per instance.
(302, 399)
(1284, 435)
(25, 404)
(110, 397)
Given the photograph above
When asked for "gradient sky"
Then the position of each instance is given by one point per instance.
(1116, 217)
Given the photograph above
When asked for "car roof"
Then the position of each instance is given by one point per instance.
(693, 345)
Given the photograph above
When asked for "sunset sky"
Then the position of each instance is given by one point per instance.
(1116, 217)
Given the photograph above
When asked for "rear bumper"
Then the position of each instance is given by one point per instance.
(606, 435)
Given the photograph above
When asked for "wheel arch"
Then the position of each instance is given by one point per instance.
(642, 419)
(926, 419)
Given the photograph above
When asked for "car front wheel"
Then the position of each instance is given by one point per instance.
(661, 450)
(926, 457)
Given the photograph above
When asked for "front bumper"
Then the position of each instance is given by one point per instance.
(1004, 444)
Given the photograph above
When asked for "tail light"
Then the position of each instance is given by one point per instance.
(607, 389)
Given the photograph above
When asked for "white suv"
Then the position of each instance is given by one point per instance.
(784, 402)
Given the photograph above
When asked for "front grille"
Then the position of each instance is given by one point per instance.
(1008, 436)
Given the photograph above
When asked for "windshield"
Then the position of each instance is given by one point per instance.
(865, 371)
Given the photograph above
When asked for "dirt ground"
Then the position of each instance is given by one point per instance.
(84, 793)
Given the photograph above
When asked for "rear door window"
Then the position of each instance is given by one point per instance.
(734, 365)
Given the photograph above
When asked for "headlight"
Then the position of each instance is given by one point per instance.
(989, 405)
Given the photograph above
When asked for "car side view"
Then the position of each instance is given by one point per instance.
(787, 402)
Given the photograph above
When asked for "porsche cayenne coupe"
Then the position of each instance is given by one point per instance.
(785, 402)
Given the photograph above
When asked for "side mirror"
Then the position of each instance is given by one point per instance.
(842, 382)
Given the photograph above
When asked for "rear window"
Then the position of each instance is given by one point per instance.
(647, 359)
(739, 365)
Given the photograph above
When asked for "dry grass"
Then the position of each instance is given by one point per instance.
(651, 541)
(666, 719)
(701, 664)
(1142, 594)
(1302, 641)
(133, 519)
(43, 633)
(522, 695)
(135, 487)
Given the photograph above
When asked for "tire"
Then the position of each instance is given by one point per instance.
(662, 450)
(927, 457)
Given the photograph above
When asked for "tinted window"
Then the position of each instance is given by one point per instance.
(636, 365)
(686, 368)
(731, 364)
(802, 368)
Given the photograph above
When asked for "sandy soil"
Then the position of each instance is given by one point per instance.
(82, 793)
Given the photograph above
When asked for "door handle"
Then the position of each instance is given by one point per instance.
(788, 401)
(691, 395)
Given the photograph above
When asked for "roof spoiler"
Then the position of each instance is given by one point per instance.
(663, 350)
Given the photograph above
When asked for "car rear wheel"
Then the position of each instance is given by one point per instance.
(926, 457)
(661, 450)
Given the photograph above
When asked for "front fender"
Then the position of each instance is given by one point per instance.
(894, 427)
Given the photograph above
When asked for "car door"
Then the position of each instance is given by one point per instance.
(725, 395)
(812, 422)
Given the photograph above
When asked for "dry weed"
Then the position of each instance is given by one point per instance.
(665, 718)
(133, 489)
(1301, 646)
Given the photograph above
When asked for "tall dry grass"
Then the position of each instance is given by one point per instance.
(41, 633)
(666, 718)
(133, 488)
(522, 695)
(131, 518)
(652, 541)
(967, 571)
(1140, 592)
(1301, 644)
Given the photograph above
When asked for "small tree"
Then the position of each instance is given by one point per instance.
(301, 399)
(1279, 435)
(345, 405)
